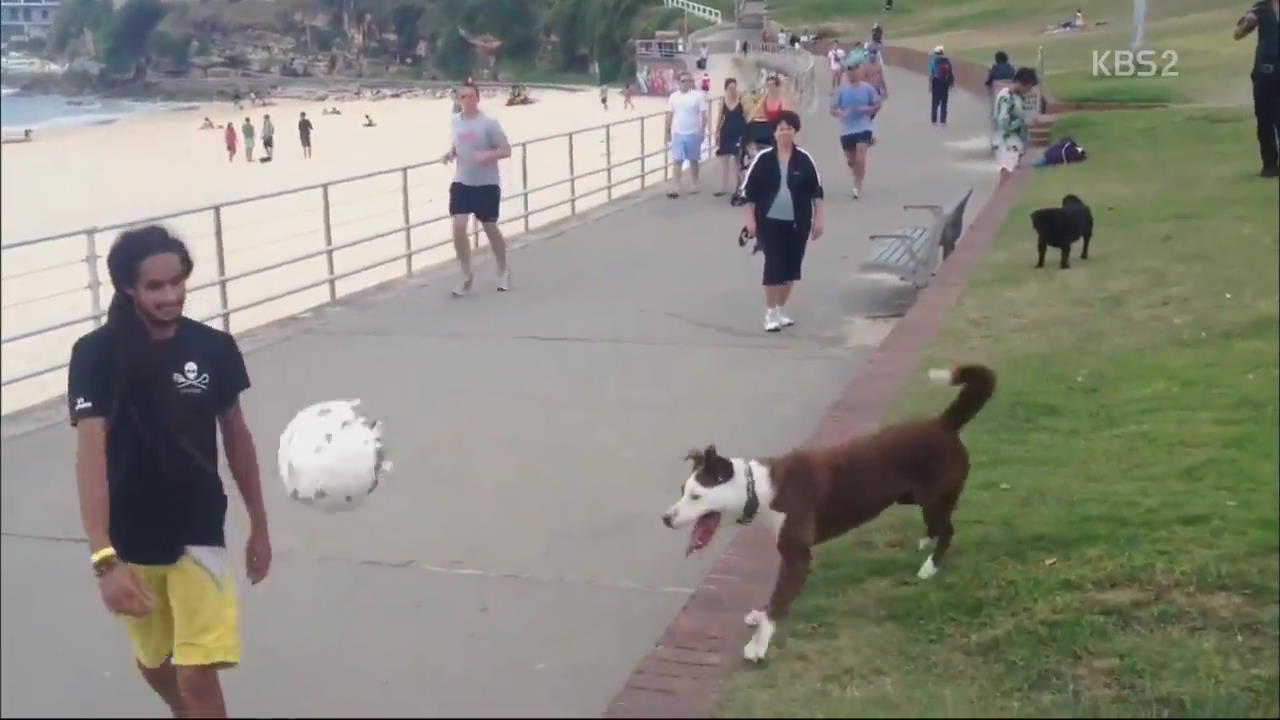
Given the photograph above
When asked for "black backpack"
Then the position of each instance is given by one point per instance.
(1065, 151)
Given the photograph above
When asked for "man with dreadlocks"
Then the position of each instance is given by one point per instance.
(147, 392)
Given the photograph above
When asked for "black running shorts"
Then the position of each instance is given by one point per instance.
(483, 201)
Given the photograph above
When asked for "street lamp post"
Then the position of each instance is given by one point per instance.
(1139, 18)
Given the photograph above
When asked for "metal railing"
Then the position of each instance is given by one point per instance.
(659, 48)
(696, 9)
(59, 278)
(603, 162)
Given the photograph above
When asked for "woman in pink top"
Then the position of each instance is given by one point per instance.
(230, 137)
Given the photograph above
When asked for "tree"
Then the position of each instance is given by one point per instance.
(454, 56)
(175, 48)
(130, 33)
(594, 30)
(405, 18)
(74, 17)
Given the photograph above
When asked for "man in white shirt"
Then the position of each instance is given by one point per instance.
(686, 126)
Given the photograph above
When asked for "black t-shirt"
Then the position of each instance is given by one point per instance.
(1267, 52)
(164, 488)
(304, 128)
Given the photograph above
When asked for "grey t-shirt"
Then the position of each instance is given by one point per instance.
(783, 207)
(471, 135)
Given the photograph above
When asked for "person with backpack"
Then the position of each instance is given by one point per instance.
(942, 78)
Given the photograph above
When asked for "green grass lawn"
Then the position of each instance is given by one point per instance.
(1211, 67)
(1116, 547)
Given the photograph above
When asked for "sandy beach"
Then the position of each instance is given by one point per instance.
(70, 179)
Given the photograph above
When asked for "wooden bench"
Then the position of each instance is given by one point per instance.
(912, 254)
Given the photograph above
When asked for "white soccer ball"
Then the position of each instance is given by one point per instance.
(331, 456)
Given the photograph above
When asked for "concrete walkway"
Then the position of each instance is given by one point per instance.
(515, 564)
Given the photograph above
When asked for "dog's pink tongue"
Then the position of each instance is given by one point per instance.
(703, 530)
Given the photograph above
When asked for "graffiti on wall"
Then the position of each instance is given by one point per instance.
(658, 76)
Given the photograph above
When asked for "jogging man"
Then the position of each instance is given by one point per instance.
(855, 102)
(478, 144)
(686, 126)
(147, 393)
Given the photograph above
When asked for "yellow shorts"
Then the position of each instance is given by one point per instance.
(192, 618)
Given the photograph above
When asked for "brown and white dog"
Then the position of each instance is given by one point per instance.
(811, 495)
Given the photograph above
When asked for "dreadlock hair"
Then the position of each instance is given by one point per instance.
(140, 385)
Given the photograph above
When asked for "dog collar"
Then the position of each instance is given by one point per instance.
(753, 501)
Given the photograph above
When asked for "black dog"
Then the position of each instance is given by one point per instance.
(1062, 226)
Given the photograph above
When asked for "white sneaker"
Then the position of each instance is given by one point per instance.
(783, 320)
(463, 287)
(771, 321)
(856, 193)
(504, 281)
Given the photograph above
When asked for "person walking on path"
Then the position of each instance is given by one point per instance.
(876, 43)
(835, 60)
(942, 78)
(873, 74)
(230, 139)
(855, 102)
(1012, 131)
(268, 137)
(247, 131)
(1001, 70)
(478, 143)
(1264, 16)
(784, 213)
(147, 393)
(731, 127)
(765, 111)
(686, 127)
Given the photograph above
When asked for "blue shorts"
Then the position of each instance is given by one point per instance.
(686, 147)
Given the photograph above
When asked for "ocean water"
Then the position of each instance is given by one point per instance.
(19, 112)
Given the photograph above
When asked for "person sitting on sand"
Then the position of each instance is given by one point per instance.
(208, 125)
(368, 121)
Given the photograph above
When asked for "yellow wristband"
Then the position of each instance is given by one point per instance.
(103, 554)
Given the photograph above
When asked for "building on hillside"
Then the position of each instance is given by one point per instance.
(27, 18)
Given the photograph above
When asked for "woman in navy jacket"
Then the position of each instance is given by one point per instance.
(783, 217)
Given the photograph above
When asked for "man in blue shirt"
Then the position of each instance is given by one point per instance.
(854, 102)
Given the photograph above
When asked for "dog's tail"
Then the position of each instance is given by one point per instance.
(979, 383)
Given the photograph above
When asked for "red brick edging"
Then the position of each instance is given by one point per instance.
(684, 673)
